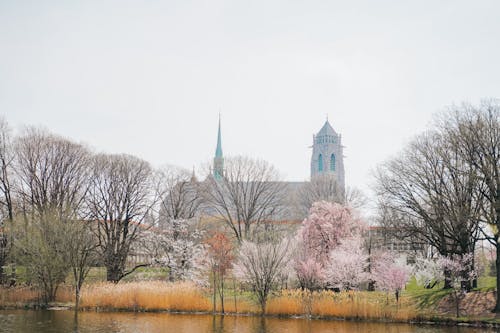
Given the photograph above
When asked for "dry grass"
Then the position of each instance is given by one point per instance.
(362, 305)
(147, 296)
(18, 296)
(350, 305)
(185, 296)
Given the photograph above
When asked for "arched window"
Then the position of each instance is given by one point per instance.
(332, 162)
(320, 163)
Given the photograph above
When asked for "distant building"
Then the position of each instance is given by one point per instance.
(327, 155)
(327, 159)
(396, 241)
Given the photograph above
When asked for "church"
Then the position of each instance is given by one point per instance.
(327, 155)
(327, 168)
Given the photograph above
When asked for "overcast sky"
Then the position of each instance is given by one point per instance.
(149, 77)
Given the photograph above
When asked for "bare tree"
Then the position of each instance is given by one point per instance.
(355, 198)
(261, 265)
(433, 193)
(52, 173)
(81, 247)
(248, 195)
(182, 196)
(122, 194)
(475, 132)
(322, 187)
(6, 164)
(6, 205)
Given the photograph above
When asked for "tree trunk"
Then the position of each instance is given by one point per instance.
(2, 274)
(497, 261)
(77, 298)
(447, 279)
(221, 292)
(234, 294)
(215, 294)
(113, 274)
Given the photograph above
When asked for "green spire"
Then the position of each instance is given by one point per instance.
(218, 159)
(218, 150)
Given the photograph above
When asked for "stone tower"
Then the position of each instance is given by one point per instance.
(218, 159)
(327, 155)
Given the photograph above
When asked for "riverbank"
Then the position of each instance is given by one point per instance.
(159, 296)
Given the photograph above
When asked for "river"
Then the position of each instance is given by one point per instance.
(21, 321)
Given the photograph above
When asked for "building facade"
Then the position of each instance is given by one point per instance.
(327, 154)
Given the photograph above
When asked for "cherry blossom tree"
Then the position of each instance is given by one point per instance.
(260, 265)
(327, 225)
(427, 272)
(460, 271)
(389, 274)
(309, 273)
(348, 264)
(178, 247)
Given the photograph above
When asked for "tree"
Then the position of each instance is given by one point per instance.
(427, 272)
(6, 205)
(247, 196)
(52, 173)
(82, 253)
(348, 264)
(183, 198)
(460, 272)
(310, 273)
(432, 193)
(322, 187)
(260, 265)
(122, 194)
(475, 132)
(220, 257)
(388, 274)
(327, 225)
(41, 246)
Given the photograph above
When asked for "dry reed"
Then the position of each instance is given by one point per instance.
(145, 296)
(185, 296)
(18, 296)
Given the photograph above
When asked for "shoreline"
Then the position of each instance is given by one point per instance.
(434, 321)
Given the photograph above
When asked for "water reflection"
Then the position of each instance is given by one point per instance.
(66, 321)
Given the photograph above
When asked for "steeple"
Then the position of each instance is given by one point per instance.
(218, 150)
(218, 159)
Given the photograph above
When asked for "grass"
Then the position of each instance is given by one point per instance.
(145, 296)
(155, 295)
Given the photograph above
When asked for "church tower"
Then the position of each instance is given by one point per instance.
(218, 159)
(327, 155)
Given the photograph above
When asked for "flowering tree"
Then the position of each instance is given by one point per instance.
(427, 272)
(347, 266)
(460, 271)
(220, 257)
(327, 225)
(178, 247)
(260, 265)
(309, 273)
(388, 274)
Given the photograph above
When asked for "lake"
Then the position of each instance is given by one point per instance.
(21, 321)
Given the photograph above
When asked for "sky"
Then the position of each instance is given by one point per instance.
(149, 78)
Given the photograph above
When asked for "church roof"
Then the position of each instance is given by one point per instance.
(327, 129)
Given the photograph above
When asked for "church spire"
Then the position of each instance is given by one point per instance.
(218, 150)
(218, 159)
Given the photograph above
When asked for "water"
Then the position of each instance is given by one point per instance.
(20, 321)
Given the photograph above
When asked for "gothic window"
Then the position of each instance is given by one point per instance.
(320, 163)
(332, 162)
